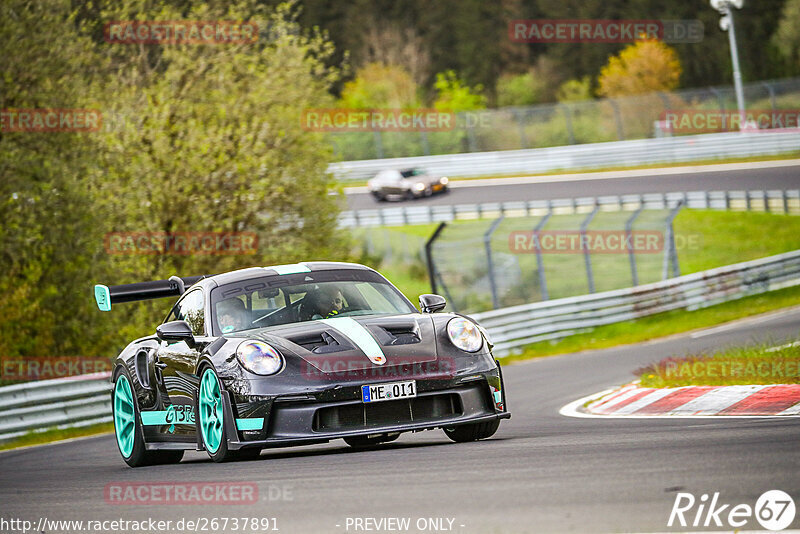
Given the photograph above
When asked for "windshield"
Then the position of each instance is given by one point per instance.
(269, 301)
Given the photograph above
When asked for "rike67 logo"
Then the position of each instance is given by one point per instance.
(774, 510)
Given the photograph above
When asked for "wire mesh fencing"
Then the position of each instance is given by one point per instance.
(569, 123)
(491, 264)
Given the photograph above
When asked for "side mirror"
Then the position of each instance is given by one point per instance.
(429, 303)
(176, 331)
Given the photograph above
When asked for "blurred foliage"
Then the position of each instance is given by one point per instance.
(471, 37)
(575, 90)
(519, 89)
(787, 37)
(198, 138)
(378, 85)
(643, 67)
(453, 94)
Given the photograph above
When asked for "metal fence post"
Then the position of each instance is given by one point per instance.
(771, 94)
(429, 255)
(539, 259)
(629, 244)
(376, 134)
(584, 245)
(472, 142)
(523, 140)
(618, 119)
(719, 96)
(487, 243)
(426, 147)
(568, 121)
(388, 251)
(670, 252)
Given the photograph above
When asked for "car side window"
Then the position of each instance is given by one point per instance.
(191, 309)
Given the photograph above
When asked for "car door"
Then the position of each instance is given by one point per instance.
(175, 364)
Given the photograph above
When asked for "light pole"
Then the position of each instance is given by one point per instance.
(726, 24)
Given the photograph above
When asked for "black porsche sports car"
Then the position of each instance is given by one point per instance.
(294, 355)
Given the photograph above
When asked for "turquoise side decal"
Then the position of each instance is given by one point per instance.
(290, 268)
(180, 414)
(103, 297)
(250, 423)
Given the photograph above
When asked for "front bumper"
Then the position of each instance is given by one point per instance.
(294, 419)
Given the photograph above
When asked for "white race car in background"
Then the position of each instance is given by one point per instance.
(405, 184)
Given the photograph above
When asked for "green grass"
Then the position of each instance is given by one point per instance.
(662, 324)
(55, 434)
(746, 159)
(728, 237)
(759, 364)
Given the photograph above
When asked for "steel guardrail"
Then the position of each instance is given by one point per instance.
(58, 403)
(777, 201)
(515, 327)
(582, 157)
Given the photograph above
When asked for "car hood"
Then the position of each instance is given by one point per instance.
(357, 343)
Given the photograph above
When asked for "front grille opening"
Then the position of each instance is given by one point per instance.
(402, 411)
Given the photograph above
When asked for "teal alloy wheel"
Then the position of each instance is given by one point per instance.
(211, 414)
(124, 416)
(128, 429)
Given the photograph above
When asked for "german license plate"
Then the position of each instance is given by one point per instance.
(389, 391)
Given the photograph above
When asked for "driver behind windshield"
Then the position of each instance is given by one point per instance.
(331, 303)
(232, 315)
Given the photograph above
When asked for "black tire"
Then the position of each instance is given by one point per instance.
(472, 432)
(359, 442)
(140, 456)
(222, 453)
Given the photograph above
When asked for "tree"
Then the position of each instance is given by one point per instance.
(48, 233)
(454, 95)
(538, 84)
(575, 90)
(377, 85)
(205, 138)
(787, 36)
(643, 67)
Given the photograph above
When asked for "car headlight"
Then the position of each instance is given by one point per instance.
(464, 334)
(419, 186)
(259, 357)
(444, 180)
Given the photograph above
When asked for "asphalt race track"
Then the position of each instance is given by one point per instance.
(644, 181)
(542, 472)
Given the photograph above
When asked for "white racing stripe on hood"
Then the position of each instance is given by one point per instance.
(358, 335)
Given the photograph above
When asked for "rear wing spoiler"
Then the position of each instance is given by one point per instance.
(174, 286)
